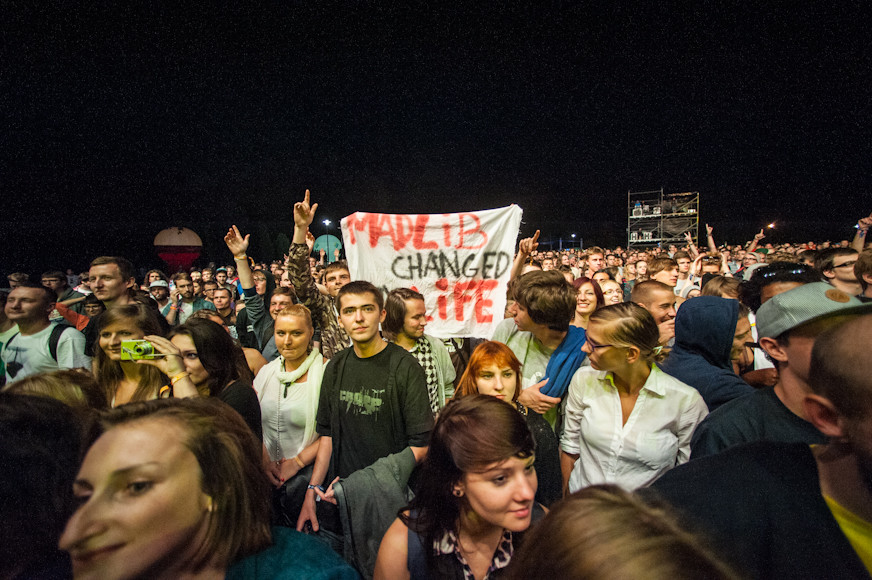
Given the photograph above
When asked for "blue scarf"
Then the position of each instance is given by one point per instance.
(565, 360)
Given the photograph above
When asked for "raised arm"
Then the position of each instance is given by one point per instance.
(304, 213)
(525, 248)
(691, 247)
(238, 246)
(756, 241)
(863, 225)
(710, 240)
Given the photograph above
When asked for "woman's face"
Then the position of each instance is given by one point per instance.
(585, 300)
(497, 382)
(502, 494)
(641, 268)
(198, 373)
(612, 292)
(293, 335)
(142, 512)
(603, 356)
(112, 335)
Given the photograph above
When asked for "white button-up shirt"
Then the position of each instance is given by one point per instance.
(655, 438)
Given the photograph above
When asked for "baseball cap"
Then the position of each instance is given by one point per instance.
(803, 304)
(159, 283)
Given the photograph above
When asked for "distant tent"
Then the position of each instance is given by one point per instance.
(178, 247)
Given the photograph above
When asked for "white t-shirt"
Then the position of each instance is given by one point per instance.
(27, 355)
(533, 355)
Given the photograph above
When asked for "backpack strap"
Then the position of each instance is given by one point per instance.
(54, 338)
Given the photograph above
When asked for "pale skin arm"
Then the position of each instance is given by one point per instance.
(756, 242)
(319, 472)
(393, 553)
(710, 240)
(532, 398)
(567, 462)
(525, 248)
(289, 468)
(171, 365)
(173, 314)
(238, 246)
(859, 241)
(691, 247)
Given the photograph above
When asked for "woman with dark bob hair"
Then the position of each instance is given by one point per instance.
(475, 496)
(494, 370)
(603, 532)
(175, 489)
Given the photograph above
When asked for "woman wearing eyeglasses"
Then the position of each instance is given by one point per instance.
(626, 421)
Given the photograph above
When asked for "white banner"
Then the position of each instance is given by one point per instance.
(460, 262)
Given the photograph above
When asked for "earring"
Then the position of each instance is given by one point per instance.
(458, 493)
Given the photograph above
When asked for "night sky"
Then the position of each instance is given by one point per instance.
(123, 120)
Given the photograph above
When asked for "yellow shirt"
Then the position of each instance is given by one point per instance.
(857, 530)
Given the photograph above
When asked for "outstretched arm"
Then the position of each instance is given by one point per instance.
(756, 241)
(863, 226)
(304, 213)
(238, 245)
(710, 240)
(525, 248)
(691, 247)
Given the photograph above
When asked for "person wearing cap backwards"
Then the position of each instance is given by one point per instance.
(792, 510)
(787, 326)
(160, 291)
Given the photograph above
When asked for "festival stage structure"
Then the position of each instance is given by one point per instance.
(655, 218)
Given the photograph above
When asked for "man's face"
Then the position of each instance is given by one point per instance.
(26, 304)
(360, 316)
(285, 282)
(221, 278)
(415, 320)
(231, 271)
(260, 283)
(775, 288)
(221, 298)
(843, 268)
(195, 275)
(661, 306)
(672, 248)
(207, 275)
(160, 293)
(610, 260)
(278, 303)
(668, 277)
(740, 337)
(54, 284)
(711, 268)
(107, 284)
(185, 288)
(547, 264)
(749, 260)
(273, 268)
(595, 262)
(209, 289)
(683, 265)
(600, 277)
(335, 280)
(522, 317)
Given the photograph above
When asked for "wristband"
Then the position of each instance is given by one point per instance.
(178, 377)
(297, 460)
(242, 259)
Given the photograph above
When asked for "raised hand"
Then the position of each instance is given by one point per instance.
(529, 245)
(304, 212)
(237, 244)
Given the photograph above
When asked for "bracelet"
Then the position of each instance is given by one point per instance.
(174, 307)
(178, 377)
(300, 463)
(242, 259)
(310, 486)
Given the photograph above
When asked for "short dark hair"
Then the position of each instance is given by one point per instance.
(680, 255)
(825, 259)
(548, 298)
(55, 274)
(395, 311)
(337, 265)
(749, 292)
(49, 294)
(125, 266)
(847, 386)
(362, 287)
(18, 277)
(182, 276)
(643, 292)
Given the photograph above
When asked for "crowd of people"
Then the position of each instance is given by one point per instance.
(667, 412)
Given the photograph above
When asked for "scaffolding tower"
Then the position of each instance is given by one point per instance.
(655, 218)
